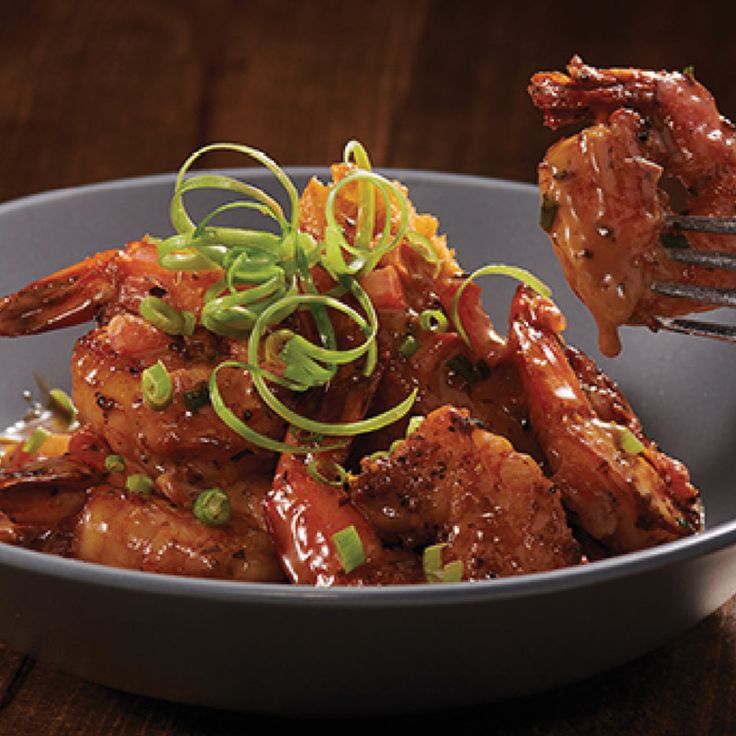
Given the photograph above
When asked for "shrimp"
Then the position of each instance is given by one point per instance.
(483, 498)
(444, 368)
(184, 446)
(452, 482)
(624, 496)
(605, 190)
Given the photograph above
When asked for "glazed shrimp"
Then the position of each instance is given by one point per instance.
(451, 482)
(442, 367)
(603, 199)
(626, 496)
(185, 446)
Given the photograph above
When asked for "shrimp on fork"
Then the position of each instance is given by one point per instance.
(607, 191)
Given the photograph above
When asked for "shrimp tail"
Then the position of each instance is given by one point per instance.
(68, 297)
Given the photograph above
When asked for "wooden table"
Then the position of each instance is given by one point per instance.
(92, 91)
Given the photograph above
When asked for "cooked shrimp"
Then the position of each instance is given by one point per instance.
(452, 482)
(626, 496)
(443, 368)
(603, 199)
(304, 512)
(148, 533)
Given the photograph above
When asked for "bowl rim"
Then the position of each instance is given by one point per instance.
(650, 560)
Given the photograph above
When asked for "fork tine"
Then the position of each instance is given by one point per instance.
(727, 333)
(702, 223)
(704, 294)
(707, 258)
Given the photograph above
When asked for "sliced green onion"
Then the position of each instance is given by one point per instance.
(409, 346)
(212, 507)
(166, 318)
(36, 440)
(62, 406)
(624, 437)
(499, 269)
(237, 425)
(423, 246)
(414, 424)
(628, 441)
(139, 483)
(435, 571)
(433, 320)
(156, 386)
(115, 464)
(330, 473)
(349, 548)
(365, 222)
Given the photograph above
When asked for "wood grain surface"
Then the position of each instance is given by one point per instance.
(99, 90)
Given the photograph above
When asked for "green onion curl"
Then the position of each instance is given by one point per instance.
(168, 319)
(365, 257)
(520, 274)
(329, 473)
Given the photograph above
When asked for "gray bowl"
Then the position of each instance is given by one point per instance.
(281, 649)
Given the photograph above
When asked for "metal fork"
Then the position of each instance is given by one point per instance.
(718, 297)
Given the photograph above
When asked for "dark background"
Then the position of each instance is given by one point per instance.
(98, 90)
(95, 90)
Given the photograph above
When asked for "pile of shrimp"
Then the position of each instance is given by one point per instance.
(658, 145)
(518, 466)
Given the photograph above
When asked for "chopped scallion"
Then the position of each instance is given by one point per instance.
(435, 571)
(115, 464)
(36, 440)
(433, 320)
(169, 320)
(139, 483)
(330, 473)
(156, 386)
(62, 406)
(408, 346)
(349, 548)
(212, 507)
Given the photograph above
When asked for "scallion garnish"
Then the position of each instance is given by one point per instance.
(212, 507)
(623, 436)
(630, 442)
(156, 386)
(115, 464)
(437, 572)
(140, 484)
(520, 274)
(61, 405)
(330, 473)
(349, 548)
(414, 424)
(433, 320)
(408, 346)
(36, 440)
(169, 320)
(267, 276)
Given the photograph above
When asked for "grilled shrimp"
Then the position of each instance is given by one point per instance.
(443, 367)
(482, 498)
(184, 446)
(452, 482)
(624, 495)
(603, 190)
